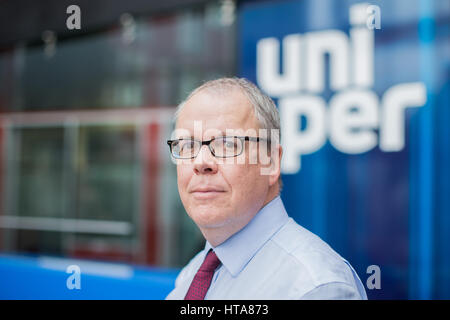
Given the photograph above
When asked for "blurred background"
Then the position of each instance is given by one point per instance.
(85, 113)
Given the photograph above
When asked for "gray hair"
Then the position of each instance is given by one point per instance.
(265, 110)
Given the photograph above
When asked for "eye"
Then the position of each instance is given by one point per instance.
(186, 145)
(230, 144)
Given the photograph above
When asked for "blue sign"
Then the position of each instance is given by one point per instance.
(362, 91)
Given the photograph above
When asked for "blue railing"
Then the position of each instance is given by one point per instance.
(42, 277)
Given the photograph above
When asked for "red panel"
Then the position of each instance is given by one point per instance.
(152, 190)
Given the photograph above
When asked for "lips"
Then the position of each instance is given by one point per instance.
(206, 192)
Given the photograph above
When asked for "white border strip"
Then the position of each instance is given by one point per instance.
(66, 225)
(120, 271)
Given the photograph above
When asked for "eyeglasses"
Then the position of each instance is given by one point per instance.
(220, 147)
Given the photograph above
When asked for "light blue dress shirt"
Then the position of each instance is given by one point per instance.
(273, 257)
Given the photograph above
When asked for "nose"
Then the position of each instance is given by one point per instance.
(205, 162)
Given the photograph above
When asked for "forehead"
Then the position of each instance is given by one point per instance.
(219, 110)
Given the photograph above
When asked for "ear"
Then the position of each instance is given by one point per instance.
(275, 164)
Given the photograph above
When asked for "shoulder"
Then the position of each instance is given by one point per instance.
(321, 267)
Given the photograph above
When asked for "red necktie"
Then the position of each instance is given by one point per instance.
(202, 280)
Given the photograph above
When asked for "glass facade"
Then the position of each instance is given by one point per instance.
(140, 62)
(76, 183)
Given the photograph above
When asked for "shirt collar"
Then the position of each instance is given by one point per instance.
(239, 249)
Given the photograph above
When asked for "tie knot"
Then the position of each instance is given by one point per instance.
(210, 263)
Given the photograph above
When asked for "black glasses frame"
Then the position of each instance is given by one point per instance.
(208, 143)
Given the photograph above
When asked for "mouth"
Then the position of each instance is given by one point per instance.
(206, 193)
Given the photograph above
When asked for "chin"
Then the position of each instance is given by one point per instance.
(207, 204)
(210, 218)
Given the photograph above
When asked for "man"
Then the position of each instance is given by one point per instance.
(253, 249)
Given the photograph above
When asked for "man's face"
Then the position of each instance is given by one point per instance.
(217, 193)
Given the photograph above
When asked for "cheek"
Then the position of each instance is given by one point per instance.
(183, 176)
(243, 179)
(249, 191)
